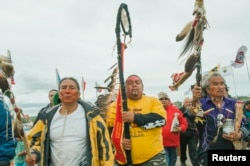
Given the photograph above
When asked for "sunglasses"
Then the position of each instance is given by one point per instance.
(163, 98)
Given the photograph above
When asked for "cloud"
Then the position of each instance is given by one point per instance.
(77, 37)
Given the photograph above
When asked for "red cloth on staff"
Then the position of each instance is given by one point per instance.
(117, 133)
(118, 129)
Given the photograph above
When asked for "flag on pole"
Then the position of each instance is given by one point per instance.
(226, 70)
(239, 60)
(83, 84)
(215, 69)
(118, 130)
(58, 79)
(83, 87)
(98, 88)
(187, 92)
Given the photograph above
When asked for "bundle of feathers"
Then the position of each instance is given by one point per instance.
(193, 34)
(6, 66)
(7, 69)
(103, 101)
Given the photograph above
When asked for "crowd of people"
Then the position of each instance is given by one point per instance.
(70, 131)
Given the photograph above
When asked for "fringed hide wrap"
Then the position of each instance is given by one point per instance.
(239, 144)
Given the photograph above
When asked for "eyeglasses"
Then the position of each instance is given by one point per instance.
(163, 98)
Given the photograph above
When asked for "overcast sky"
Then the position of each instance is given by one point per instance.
(77, 37)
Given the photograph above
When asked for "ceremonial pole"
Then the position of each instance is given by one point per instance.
(247, 68)
(193, 32)
(123, 20)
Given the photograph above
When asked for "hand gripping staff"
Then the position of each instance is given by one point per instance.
(123, 20)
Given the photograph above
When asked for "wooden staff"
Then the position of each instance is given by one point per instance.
(123, 20)
(18, 125)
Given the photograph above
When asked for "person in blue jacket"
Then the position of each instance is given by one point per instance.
(215, 109)
(7, 141)
(247, 114)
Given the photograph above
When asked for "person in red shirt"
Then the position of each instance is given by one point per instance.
(176, 124)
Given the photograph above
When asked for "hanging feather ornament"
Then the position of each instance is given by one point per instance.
(103, 101)
(19, 131)
(193, 35)
(7, 70)
(6, 66)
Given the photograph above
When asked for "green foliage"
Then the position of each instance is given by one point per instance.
(31, 119)
(178, 104)
(243, 98)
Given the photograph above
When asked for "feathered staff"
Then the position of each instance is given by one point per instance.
(194, 29)
(123, 20)
(7, 70)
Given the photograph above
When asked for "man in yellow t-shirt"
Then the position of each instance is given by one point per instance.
(146, 116)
